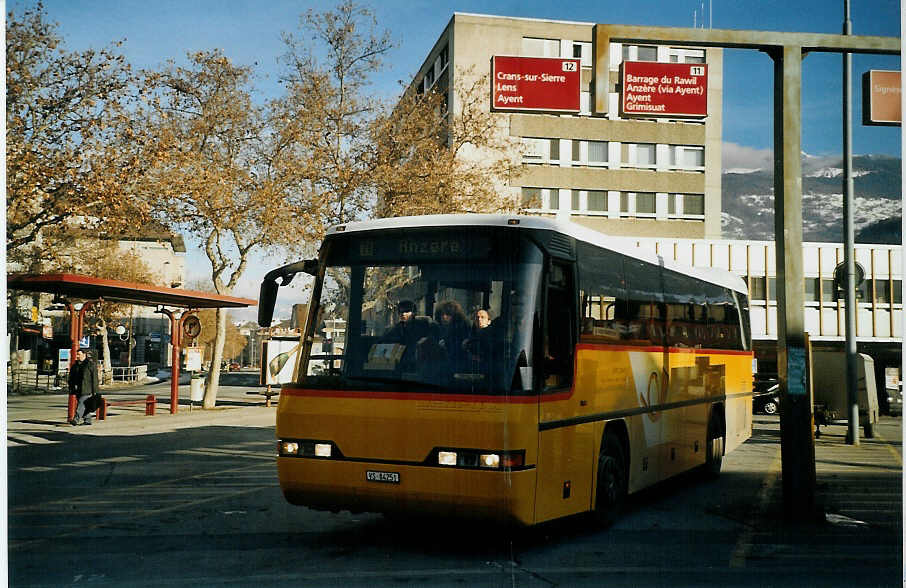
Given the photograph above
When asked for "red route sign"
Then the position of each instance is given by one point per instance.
(535, 83)
(652, 88)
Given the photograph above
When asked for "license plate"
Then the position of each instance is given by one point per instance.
(386, 477)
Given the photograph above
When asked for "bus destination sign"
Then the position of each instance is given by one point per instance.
(418, 248)
(653, 88)
(535, 83)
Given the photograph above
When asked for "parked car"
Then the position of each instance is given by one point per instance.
(234, 367)
(766, 398)
(895, 400)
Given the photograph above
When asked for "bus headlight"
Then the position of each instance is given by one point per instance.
(478, 458)
(322, 449)
(447, 458)
(489, 460)
(288, 448)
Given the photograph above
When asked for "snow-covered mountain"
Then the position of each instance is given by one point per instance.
(748, 200)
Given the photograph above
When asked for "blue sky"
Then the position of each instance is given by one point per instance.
(250, 33)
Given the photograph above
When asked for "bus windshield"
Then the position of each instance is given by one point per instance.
(433, 312)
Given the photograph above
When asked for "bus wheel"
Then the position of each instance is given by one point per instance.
(612, 481)
(715, 444)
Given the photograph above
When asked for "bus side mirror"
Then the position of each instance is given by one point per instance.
(267, 298)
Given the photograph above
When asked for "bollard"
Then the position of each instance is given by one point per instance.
(102, 409)
(73, 401)
(150, 405)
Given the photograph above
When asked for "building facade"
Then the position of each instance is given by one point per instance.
(618, 174)
(655, 180)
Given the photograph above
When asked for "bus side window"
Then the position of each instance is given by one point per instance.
(603, 295)
(560, 323)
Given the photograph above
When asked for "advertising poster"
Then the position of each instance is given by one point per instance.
(280, 357)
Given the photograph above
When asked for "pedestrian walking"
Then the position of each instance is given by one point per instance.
(83, 383)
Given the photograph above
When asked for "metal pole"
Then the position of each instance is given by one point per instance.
(797, 444)
(852, 373)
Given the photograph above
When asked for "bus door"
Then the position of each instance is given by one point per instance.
(565, 447)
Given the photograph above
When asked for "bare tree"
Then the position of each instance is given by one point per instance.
(224, 172)
(428, 160)
(327, 106)
(62, 110)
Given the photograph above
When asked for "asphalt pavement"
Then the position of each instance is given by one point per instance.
(859, 488)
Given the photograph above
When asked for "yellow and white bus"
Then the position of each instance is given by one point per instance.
(604, 370)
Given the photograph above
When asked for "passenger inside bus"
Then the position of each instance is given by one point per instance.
(453, 330)
(410, 331)
(478, 346)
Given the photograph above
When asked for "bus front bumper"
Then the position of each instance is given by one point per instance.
(335, 485)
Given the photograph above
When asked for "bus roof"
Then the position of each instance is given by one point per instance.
(622, 245)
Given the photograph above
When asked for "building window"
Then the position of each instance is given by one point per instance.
(828, 290)
(597, 152)
(645, 154)
(687, 157)
(812, 290)
(532, 47)
(758, 291)
(582, 51)
(597, 201)
(444, 56)
(642, 53)
(624, 202)
(884, 294)
(694, 204)
(678, 55)
(577, 150)
(645, 203)
(671, 204)
(531, 198)
(536, 150)
(541, 199)
(576, 200)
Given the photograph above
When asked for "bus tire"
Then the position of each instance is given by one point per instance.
(715, 443)
(613, 482)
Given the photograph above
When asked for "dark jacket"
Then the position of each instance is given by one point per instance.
(83, 378)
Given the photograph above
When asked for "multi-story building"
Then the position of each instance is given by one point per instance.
(616, 173)
(656, 179)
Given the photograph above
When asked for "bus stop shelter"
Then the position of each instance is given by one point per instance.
(91, 291)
